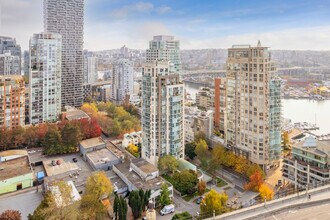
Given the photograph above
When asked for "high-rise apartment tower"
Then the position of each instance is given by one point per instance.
(162, 101)
(66, 17)
(12, 101)
(122, 80)
(164, 47)
(253, 105)
(45, 78)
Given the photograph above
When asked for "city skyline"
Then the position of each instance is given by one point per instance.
(111, 24)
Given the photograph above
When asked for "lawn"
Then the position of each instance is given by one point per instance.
(221, 182)
(188, 197)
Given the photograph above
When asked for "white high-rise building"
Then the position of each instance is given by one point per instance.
(10, 56)
(122, 80)
(164, 47)
(66, 17)
(253, 105)
(45, 77)
(90, 68)
(162, 101)
(9, 64)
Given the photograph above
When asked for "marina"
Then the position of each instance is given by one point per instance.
(312, 115)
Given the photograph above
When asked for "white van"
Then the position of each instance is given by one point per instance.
(167, 209)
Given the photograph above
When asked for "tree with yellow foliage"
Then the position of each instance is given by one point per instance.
(98, 186)
(133, 149)
(241, 165)
(266, 192)
(213, 201)
(89, 108)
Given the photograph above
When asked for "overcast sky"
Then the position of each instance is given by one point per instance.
(109, 24)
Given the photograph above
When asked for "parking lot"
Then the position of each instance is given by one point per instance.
(58, 165)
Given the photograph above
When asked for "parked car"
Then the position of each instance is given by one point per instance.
(75, 160)
(199, 200)
(167, 209)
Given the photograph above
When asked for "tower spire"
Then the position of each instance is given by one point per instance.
(259, 44)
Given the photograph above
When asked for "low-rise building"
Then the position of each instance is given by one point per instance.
(98, 156)
(102, 159)
(205, 98)
(140, 174)
(132, 138)
(90, 145)
(15, 173)
(74, 114)
(308, 163)
(198, 121)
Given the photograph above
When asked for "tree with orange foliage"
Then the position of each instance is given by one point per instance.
(201, 187)
(266, 192)
(11, 215)
(256, 180)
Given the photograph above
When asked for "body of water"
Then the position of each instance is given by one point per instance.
(298, 110)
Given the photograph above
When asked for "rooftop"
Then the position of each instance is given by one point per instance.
(153, 184)
(115, 180)
(15, 167)
(101, 156)
(186, 165)
(92, 142)
(144, 165)
(12, 154)
(313, 145)
(75, 114)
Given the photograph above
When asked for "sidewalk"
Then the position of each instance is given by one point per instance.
(319, 194)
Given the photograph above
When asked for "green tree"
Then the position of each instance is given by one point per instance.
(98, 187)
(182, 216)
(164, 198)
(253, 168)
(202, 152)
(53, 208)
(136, 203)
(52, 142)
(120, 208)
(185, 181)
(189, 150)
(201, 136)
(218, 155)
(168, 163)
(213, 201)
(71, 136)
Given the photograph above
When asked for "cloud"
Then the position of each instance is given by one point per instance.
(125, 11)
(163, 9)
(116, 34)
(310, 38)
(21, 19)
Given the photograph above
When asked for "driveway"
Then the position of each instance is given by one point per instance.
(25, 202)
(180, 206)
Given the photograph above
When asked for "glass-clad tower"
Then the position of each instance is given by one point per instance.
(162, 101)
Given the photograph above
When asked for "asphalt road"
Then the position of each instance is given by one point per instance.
(321, 212)
(24, 201)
